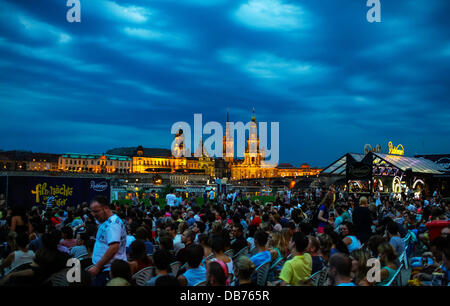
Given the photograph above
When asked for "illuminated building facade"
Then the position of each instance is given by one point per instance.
(180, 162)
(94, 163)
(253, 166)
(28, 161)
(145, 163)
(287, 170)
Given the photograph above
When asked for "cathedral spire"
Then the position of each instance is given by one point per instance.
(228, 117)
(253, 115)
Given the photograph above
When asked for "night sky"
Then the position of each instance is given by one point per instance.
(131, 69)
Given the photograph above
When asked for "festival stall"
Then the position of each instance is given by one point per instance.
(384, 172)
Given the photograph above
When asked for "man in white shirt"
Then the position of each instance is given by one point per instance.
(110, 243)
(171, 199)
(177, 243)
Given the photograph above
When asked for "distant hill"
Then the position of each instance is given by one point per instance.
(148, 152)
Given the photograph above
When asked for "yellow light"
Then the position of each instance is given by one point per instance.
(397, 150)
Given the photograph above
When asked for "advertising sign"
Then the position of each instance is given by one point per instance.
(62, 191)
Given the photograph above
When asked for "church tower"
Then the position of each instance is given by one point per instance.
(228, 142)
(252, 152)
(201, 151)
(178, 149)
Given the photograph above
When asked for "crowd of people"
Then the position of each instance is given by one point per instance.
(229, 239)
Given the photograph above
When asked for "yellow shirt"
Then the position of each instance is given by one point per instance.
(297, 269)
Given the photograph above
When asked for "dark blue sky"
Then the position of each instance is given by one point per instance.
(131, 69)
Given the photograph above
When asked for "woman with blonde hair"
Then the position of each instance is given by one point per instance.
(287, 235)
(182, 227)
(279, 242)
(326, 244)
(388, 257)
(359, 267)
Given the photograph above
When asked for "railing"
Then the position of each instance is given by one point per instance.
(404, 263)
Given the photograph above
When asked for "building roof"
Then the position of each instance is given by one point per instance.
(29, 156)
(417, 165)
(434, 157)
(441, 159)
(285, 166)
(96, 156)
(147, 152)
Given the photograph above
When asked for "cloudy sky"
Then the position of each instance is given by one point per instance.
(131, 69)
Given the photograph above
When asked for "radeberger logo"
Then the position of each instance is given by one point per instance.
(99, 187)
(398, 150)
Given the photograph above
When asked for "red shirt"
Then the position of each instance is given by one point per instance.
(256, 221)
(435, 227)
(55, 220)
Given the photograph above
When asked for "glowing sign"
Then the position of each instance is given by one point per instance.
(398, 150)
(397, 185)
(368, 148)
(416, 182)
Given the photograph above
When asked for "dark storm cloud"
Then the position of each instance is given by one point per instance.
(131, 69)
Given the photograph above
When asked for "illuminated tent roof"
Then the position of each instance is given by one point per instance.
(339, 166)
(417, 165)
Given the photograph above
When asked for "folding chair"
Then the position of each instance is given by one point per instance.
(243, 251)
(175, 267)
(396, 280)
(229, 253)
(142, 276)
(262, 274)
(314, 278)
(277, 262)
(184, 267)
(319, 278)
(210, 256)
(203, 283)
(88, 267)
(21, 267)
(58, 279)
(82, 256)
